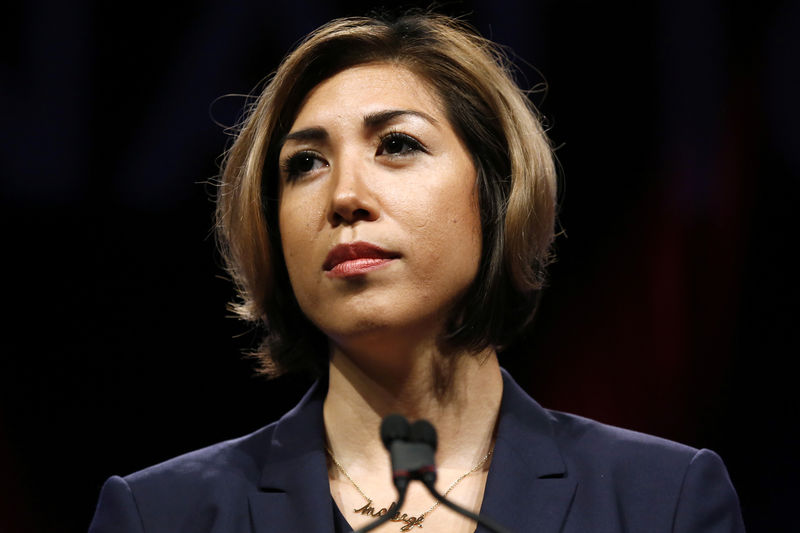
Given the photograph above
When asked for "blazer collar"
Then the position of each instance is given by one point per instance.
(527, 488)
(293, 491)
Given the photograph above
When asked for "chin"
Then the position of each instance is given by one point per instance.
(380, 316)
(358, 326)
(368, 330)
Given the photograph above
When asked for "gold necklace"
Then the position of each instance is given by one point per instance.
(410, 521)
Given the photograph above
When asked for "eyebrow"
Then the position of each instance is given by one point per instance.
(372, 120)
(307, 134)
(382, 117)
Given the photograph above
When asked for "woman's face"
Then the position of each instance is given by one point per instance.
(378, 213)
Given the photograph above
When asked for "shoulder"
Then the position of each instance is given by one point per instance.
(581, 446)
(629, 459)
(647, 479)
(198, 489)
(209, 489)
(586, 445)
(589, 444)
(232, 463)
(623, 480)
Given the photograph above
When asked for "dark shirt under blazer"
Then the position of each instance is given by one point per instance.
(551, 472)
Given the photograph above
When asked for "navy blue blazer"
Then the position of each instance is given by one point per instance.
(551, 472)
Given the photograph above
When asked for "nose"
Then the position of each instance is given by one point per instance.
(352, 199)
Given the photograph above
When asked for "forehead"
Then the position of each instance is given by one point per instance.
(367, 88)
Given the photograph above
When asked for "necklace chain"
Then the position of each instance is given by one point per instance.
(419, 519)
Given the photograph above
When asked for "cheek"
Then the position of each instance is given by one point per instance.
(299, 219)
(287, 229)
(295, 221)
(465, 229)
(457, 212)
(460, 203)
(465, 222)
(448, 234)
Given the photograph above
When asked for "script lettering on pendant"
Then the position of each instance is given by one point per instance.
(410, 521)
(368, 509)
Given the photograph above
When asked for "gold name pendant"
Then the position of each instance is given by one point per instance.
(410, 521)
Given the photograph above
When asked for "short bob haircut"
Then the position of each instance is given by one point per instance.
(516, 181)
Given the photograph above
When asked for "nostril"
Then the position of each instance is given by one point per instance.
(360, 214)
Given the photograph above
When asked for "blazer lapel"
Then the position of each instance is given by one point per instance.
(527, 489)
(293, 492)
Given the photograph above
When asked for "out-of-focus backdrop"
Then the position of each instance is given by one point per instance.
(676, 123)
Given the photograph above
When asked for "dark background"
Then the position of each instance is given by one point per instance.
(676, 123)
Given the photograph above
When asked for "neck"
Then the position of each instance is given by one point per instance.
(458, 393)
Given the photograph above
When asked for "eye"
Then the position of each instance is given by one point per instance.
(399, 144)
(302, 163)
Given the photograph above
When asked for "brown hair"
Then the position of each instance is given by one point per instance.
(501, 129)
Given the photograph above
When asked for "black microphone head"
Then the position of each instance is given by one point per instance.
(424, 432)
(394, 427)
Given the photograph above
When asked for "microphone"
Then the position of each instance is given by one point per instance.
(394, 427)
(413, 455)
(394, 430)
(423, 433)
(412, 448)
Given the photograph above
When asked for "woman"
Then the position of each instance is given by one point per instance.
(387, 211)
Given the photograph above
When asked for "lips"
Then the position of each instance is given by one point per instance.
(356, 259)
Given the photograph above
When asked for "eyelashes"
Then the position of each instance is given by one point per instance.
(301, 163)
(397, 143)
(394, 145)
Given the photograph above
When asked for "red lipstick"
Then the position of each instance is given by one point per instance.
(356, 259)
